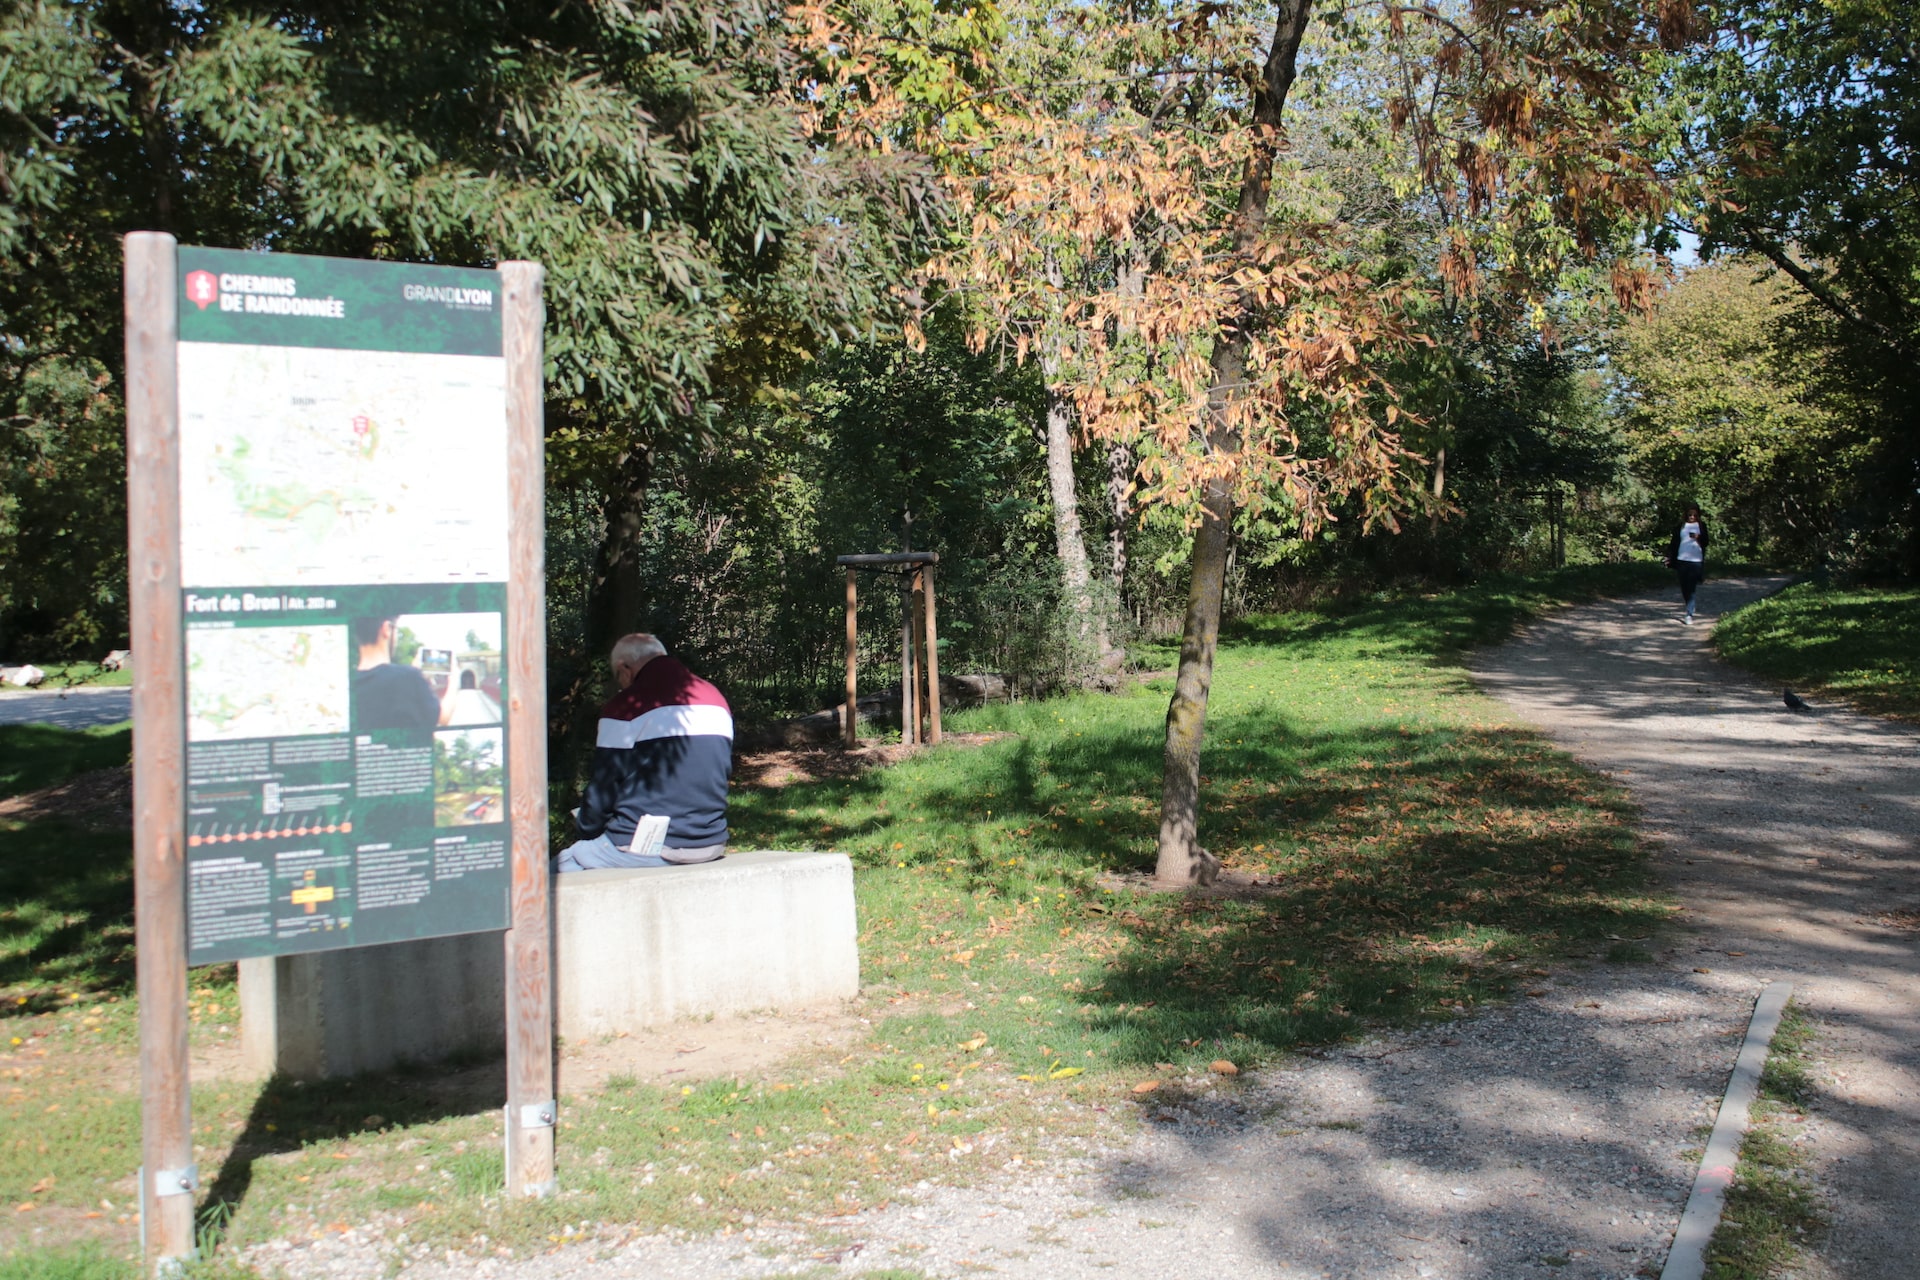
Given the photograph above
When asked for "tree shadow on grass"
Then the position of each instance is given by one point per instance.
(66, 913)
(292, 1115)
(1403, 873)
(66, 885)
(38, 755)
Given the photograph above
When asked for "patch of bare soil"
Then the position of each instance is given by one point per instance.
(97, 798)
(1229, 885)
(704, 1049)
(778, 766)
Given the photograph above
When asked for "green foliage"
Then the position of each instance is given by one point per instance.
(466, 761)
(663, 162)
(1722, 411)
(1861, 644)
(1804, 119)
(739, 538)
(62, 534)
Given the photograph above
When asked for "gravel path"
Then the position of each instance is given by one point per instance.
(1550, 1137)
(1792, 838)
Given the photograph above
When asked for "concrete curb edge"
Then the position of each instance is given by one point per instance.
(1687, 1259)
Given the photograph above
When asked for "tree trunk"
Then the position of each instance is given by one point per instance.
(1120, 459)
(615, 605)
(1119, 500)
(1180, 860)
(616, 597)
(1067, 539)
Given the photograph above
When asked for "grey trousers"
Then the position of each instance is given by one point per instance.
(600, 852)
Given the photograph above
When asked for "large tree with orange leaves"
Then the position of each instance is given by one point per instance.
(1233, 335)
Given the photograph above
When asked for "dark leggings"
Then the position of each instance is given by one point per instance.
(1691, 573)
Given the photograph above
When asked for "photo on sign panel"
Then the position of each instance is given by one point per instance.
(469, 777)
(426, 670)
(266, 682)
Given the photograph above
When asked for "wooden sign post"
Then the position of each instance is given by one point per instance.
(168, 1178)
(531, 1104)
(336, 505)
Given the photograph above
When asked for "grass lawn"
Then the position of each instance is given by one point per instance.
(1773, 1210)
(1858, 644)
(1419, 854)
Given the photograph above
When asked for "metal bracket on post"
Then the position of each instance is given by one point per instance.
(176, 1182)
(539, 1115)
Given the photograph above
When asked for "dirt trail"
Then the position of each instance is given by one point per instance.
(1794, 838)
(1555, 1136)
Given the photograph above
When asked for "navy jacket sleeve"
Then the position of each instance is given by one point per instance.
(603, 793)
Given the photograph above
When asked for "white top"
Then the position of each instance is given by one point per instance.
(1690, 548)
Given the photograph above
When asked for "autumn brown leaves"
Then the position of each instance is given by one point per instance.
(1126, 205)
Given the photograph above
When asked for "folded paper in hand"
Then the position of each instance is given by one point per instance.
(649, 836)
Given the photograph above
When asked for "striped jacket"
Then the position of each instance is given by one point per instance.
(665, 747)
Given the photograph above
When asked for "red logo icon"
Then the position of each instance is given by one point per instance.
(203, 288)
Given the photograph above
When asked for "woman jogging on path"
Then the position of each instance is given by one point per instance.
(1687, 554)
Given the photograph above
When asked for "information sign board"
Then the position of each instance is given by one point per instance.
(343, 463)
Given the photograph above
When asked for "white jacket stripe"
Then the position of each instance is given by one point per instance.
(666, 722)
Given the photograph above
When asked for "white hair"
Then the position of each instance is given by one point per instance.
(636, 649)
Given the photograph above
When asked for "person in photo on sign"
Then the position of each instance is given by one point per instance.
(663, 754)
(389, 694)
(1687, 556)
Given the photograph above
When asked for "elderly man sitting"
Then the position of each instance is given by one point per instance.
(664, 751)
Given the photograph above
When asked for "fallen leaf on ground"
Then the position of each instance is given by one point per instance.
(1146, 1086)
(1221, 1067)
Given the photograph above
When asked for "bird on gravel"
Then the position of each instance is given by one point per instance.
(1794, 701)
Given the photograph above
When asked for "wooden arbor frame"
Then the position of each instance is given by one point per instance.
(919, 645)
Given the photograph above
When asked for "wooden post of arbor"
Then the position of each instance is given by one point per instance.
(531, 1109)
(909, 677)
(168, 1177)
(932, 639)
(850, 730)
(916, 601)
(918, 640)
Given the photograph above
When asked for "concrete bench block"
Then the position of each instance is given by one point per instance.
(753, 931)
(631, 949)
(339, 1013)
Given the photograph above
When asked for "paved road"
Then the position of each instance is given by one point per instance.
(471, 706)
(82, 708)
(1794, 839)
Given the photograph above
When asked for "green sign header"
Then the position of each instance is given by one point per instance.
(293, 300)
